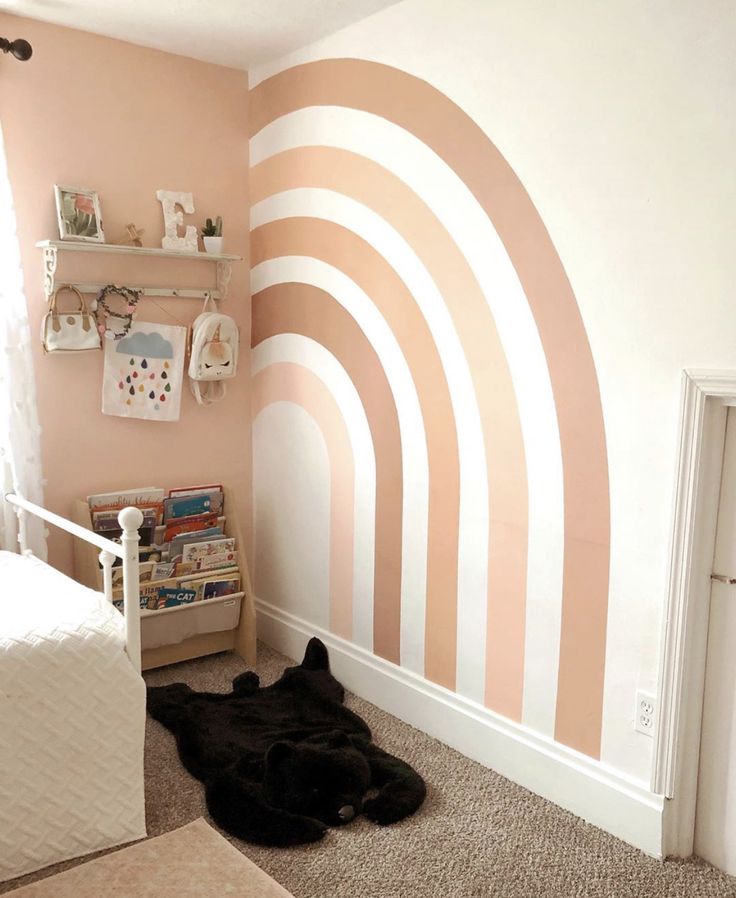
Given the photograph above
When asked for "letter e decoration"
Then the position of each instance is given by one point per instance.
(174, 218)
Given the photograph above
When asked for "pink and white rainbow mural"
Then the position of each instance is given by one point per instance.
(427, 418)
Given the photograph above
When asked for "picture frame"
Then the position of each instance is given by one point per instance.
(78, 214)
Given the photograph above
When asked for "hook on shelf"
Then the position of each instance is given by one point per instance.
(223, 269)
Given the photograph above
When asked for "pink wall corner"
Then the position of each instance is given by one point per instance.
(88, 111)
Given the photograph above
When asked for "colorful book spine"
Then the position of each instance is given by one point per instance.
(170, 598)
(190, 506)
(190, 525)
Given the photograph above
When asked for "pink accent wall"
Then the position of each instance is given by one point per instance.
(88, 111)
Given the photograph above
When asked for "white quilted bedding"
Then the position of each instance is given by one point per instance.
(72, 720)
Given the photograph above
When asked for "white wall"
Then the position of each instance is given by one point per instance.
(618, 119)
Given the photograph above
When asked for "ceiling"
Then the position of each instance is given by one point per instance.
(238, 33)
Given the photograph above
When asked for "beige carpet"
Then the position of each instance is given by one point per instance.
(477, 835)
(191, 862)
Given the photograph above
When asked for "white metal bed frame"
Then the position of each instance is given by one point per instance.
(130, 519)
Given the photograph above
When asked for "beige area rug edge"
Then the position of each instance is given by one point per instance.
(194, 861)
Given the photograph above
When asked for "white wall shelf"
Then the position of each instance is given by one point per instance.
(51, 249)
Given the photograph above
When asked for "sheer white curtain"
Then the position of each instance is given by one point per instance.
(20, 432)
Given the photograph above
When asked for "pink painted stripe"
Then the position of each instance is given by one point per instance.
(305, 309)
(433, 118)
(349, 253)
(372, 185)
(290, 382)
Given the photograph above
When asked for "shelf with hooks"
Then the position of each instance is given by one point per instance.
(222, 261)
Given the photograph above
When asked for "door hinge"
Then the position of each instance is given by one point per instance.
(722, 578)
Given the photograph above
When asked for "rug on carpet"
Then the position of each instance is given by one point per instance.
(477, 835)
(191, 862)
(282, 763)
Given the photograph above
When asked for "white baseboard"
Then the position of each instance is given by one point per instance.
(572, 780)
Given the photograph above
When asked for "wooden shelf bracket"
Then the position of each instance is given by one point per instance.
(50, 259)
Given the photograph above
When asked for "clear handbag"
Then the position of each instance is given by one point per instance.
(74, 331)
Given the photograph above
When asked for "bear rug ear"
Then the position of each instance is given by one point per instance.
(246, 682)
(316, 657)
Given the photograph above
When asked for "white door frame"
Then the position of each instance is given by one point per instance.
(705, 397)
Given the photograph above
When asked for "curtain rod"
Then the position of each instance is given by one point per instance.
(19, 48)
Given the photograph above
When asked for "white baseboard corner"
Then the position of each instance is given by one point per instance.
(575, 782)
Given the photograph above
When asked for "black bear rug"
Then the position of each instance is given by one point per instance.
(281, 764)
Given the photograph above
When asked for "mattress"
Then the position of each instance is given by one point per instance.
(72, 721)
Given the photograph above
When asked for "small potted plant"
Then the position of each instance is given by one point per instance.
(212, 235)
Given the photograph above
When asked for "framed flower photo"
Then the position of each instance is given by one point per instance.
(78, 212)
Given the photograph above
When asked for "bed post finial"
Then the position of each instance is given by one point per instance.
(130, 520)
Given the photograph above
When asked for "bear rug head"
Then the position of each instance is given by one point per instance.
(281, 764)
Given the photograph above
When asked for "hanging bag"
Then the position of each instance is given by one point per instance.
(214, 354)
(74, 331)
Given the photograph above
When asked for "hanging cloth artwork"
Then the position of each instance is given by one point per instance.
(144, 372)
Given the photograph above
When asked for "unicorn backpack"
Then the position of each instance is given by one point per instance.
(214, 355)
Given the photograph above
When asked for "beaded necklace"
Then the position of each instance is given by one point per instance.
(131, 298)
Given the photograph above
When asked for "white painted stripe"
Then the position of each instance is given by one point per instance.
(305, 351)
(472, 583)
(291, 512)
(470, 228)
(301, 269)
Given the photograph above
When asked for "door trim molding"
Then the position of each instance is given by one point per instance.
(685, 622)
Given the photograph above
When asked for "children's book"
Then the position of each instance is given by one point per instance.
(201, 576)
(170, 598)
(195, 490)
(118, 601)
(104, 507)
(208, 563)
(214, 584)
(149, 553)
(104, 515)
(162, 570)
(145, 573)
(145, 553)
(206, 548)
(149, 593)
(189, 525)
(186, 507)
(110, 528)
(176, 507)
(173, 549)
(215, 589)
(141, 497)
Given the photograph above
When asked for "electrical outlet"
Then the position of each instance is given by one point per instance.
(645, 717)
